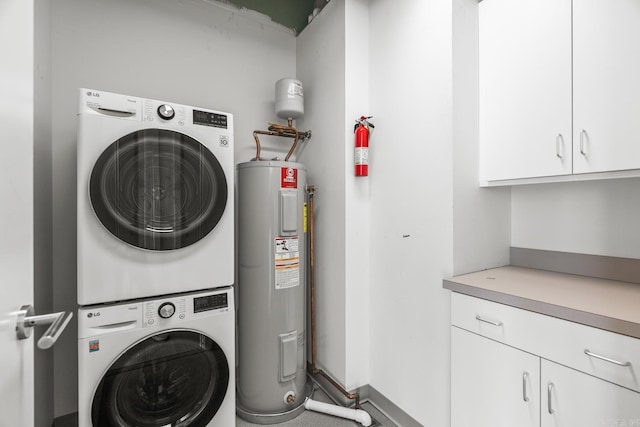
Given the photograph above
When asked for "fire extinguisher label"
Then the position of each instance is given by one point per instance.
(362, 156)
(288, 178)
(287, 262)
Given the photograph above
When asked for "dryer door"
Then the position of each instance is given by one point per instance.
(176, 378)
(158, 189)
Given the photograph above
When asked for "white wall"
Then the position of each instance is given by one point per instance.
(320, 66)
(591, 217)
(357, 198)
(419, 213)
(42, 204)
(411, 204)
(18, 94)
(186, 51)
(332, 62)
(481, 216)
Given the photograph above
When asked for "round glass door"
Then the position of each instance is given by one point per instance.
(158, 189)
(177, 378)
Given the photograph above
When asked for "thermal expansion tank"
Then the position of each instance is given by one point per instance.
(272, 257)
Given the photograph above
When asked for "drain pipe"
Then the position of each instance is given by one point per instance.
(356, 414)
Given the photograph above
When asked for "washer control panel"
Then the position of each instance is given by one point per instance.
(171, 311)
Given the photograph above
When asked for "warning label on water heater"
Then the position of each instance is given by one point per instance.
(287, 262)
(288, 178)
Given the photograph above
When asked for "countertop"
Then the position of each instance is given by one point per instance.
(605, 304)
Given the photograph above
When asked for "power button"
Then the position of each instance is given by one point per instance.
(166, 112)
(166, 310)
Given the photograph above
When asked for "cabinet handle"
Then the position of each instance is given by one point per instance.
(525, 378)
(606, 359)
(491, 322)
(559, 143)
(549, 404)
(582, 147)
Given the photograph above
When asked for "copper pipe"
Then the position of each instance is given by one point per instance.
(312, 281)
(312, 277)
(352, 396)
(293, 147)
(282, 131)
(255, 136)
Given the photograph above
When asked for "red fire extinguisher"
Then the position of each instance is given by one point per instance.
(361, 154)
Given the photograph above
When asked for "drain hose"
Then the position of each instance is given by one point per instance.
(357, 415)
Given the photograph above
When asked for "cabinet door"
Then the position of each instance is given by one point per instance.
(525, 88)
(492, 384)
(572, 398)
(606, 85)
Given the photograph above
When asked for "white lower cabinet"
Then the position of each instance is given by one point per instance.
(492, 384)
(572, 398)
(512, 367)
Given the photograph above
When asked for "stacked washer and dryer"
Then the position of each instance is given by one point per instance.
(155, 206)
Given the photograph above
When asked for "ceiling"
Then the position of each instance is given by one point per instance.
(292, 14)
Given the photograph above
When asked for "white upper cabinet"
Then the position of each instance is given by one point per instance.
(525, 88)
(559, 90)
(606, 82)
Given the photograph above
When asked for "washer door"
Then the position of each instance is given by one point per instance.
(158, 189)
(176, 378)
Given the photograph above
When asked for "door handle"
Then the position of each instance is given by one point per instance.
(27, 320)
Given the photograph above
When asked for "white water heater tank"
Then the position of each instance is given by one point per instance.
(272, 304)
(289, 99)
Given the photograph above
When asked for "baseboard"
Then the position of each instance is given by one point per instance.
(367, 393)
(69, 420)
(390, 409)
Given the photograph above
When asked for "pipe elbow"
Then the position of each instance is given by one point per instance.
(357, 415)
(363, 417)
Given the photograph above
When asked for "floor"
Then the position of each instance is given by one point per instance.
(306, 419)
(309, 418)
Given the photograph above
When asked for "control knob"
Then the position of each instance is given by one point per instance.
(166, 310)
(166, 112)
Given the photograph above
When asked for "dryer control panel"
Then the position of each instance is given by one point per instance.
(162, 310)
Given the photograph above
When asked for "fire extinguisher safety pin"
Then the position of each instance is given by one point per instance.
(363, 121)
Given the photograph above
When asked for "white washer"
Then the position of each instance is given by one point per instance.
(158, 362)
(155, 198)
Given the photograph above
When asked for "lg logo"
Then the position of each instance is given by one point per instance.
(94, 94)
(96, 314)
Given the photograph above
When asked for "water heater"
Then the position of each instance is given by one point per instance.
(272, 231)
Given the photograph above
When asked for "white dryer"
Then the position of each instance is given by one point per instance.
(155, 198)
(158, 362)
